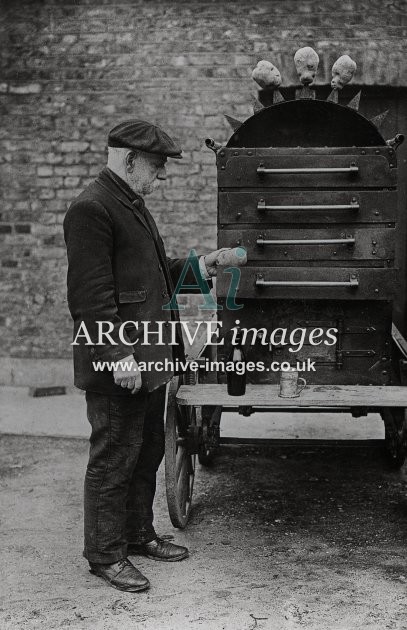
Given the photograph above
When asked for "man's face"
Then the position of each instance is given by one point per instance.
(144, 170)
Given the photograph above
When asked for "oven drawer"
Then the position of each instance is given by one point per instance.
(273, 207)
(299, 170)
(344, 242)
(316, 283)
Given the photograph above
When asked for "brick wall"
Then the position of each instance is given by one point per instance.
(70, 71)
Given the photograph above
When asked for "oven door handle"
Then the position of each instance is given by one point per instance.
(352, 283)
(353, 205)
(352, 169)
(350, 240)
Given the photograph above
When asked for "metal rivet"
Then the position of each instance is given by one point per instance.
(377, 213)
(376, 290)
(377, 152)
(222, 153)
(250, 153)
(238, 215)
(363, 152)
(222, 168)
(334, 253)
(374, 251)
(285, 253)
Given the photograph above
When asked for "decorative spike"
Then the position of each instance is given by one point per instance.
(257, 106)
(333, 97)
(305, 93)
(277, 97)
(233, 122)
(379, 119)
(354, 103)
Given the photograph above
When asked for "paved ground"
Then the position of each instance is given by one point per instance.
(280, 539)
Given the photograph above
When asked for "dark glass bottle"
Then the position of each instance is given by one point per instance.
(236, 378)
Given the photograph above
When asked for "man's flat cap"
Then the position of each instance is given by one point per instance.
(142, 135)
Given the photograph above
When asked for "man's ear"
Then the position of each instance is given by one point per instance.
(130, 159)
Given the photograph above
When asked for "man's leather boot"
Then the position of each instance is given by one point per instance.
(121, 575)
(159, 549)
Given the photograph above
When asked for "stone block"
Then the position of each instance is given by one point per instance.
(28, 88)
(74, 147)
(72, 182)
(67, 194)
(45, 193)
(71, 171)
(44, 171)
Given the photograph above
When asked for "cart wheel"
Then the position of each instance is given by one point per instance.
(180, 431)
(395, 423)
(209, 419)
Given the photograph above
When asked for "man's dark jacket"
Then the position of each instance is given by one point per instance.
(118, 272)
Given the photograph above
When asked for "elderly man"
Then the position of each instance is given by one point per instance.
(119, 274)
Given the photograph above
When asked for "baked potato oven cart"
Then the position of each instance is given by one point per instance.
(309, 188)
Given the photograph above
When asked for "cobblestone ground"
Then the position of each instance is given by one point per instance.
(279, 539)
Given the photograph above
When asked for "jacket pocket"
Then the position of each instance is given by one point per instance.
(129, 297)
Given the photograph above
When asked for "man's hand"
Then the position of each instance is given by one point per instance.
(225, 256)
(128, 379)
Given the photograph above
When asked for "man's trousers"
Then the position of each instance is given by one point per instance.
(126, 448)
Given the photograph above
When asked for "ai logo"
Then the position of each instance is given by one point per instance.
(201, 285)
